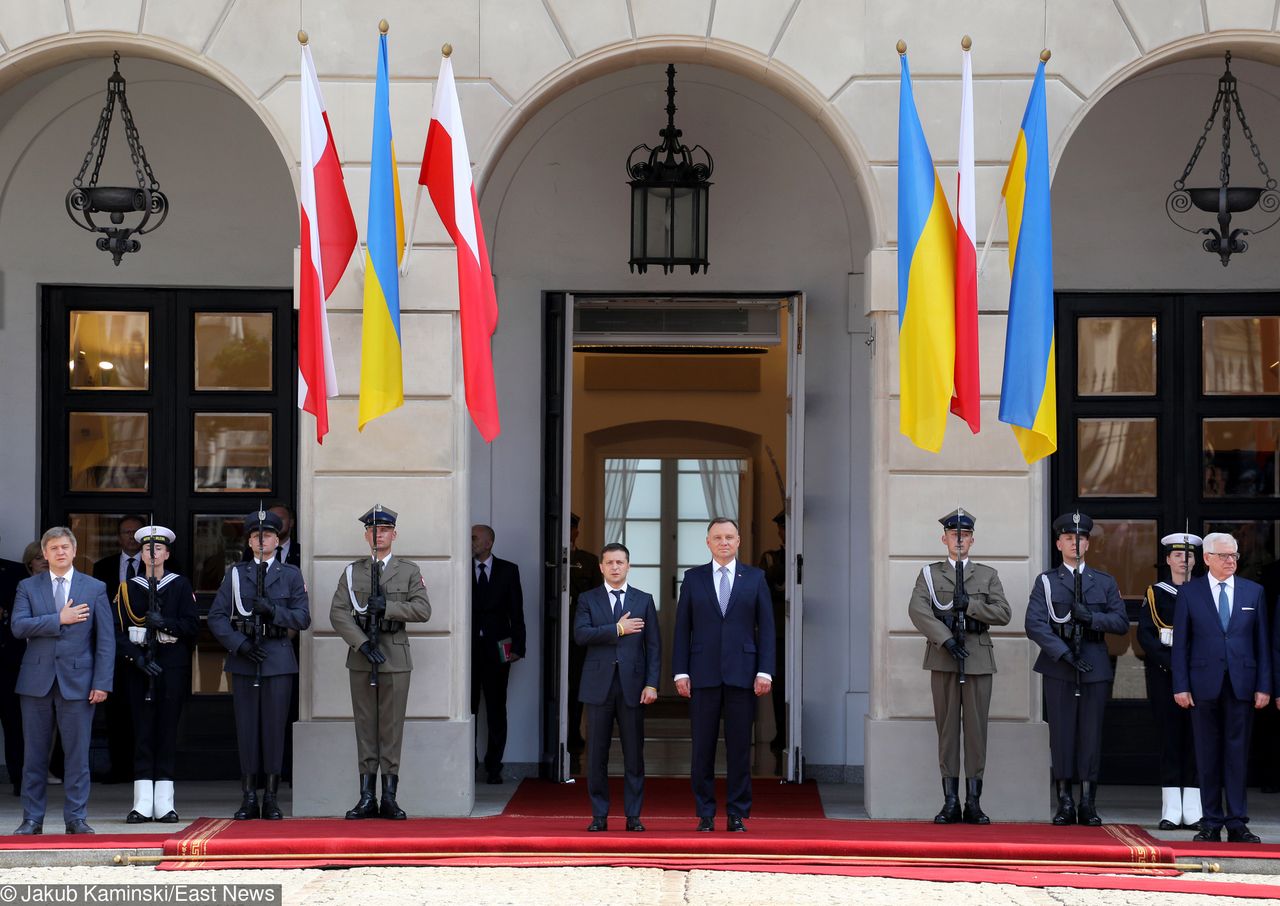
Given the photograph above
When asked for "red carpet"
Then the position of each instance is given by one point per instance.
(664, 797)
(59, 840)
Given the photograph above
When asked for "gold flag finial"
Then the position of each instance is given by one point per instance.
(447, 50)
(1045, 55)
(302, 37)
(384, 26)
(902, 47)
(966, 42)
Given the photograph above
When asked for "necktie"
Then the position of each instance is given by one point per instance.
(1224, 606)
(617, 603)
(132, 569)
(482, 579)
(724, 589)
(60, 593)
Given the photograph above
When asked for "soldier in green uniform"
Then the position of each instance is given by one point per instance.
(373, 624)
(960, 659)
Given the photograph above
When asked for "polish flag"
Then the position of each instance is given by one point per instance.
(966, 400)
(327, 238)
(446, 172)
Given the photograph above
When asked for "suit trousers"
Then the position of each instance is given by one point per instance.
(738, 706)
(1221, 728)
(1075, 727)
(956, 706)
(379, 718)
(630, 720)
(74, 720)
(489, 677)
(1177, 748)
(155, 722)
(261, 715)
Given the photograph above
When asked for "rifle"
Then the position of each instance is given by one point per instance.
(1077, 631)
(260, 592)
(153, 607)
(375, 592)
(960, 605)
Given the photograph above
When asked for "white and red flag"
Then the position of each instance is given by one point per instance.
(446, 172)
(327, 238)
(966, 398)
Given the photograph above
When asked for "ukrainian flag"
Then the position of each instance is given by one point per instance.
(381, 373)
(1028, 400)
(926, 283)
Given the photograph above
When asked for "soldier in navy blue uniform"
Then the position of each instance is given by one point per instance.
(1179, 789)
(156, 679)
(260, 658)
(1076, 679)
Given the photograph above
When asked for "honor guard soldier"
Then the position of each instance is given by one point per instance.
(953, 604)
(1179, 789)
(376, 597)
(256, 606)
(157, 625)
(1070, 610)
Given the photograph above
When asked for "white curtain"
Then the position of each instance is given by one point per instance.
(619, 482)
(720, 480)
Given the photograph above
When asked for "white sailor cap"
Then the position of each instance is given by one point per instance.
(157, 533)
(1182, 541)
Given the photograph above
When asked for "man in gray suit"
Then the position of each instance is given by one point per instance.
(66, 670)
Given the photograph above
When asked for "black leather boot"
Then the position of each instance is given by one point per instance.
(389, 809)
(270, 810)
(1066, 813)
(249, 798)
(1087, 814)
(367, 807)
(950, 813)
(973, 813)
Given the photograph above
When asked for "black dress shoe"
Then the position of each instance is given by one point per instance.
(633, 824)
(706, 825)
(79, 826)
(1208, 835)
(29, 828)
(169, 817)
(493, 778)
(598, 823)
(1242, 835)
(136, 817)
(1166, 824)
(735, 825)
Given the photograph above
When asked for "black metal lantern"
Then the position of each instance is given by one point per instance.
(669, 196)
(145, 199)
(1225, 199)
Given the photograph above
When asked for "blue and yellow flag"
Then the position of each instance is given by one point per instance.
(926, 283)
(1028, 400)
(381, 372)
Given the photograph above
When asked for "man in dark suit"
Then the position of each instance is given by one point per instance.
(255, 631)
(723, 656)
(66, 670)
(497, 640)
(1222, 672)
(617, 627)
(1077, 676)
(111, 571)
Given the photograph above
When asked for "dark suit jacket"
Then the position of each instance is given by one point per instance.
(726, 650)
(1204, 655)
(81, 656)
(286, 590)
(498, 612)
(294, 558)
(107, 571)
(1101, 595)
(638, 654)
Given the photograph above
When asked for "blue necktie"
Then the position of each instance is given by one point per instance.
(1224, 606)
(617, 603)
(724, 589)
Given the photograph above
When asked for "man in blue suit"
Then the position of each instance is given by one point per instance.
(66, 670)
(723, 656)
(617, 625)
(1222, 672)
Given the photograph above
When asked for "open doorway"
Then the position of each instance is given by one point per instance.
(661, 413)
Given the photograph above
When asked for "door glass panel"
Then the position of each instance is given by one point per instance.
(1240, 457)
(1241, 356)
(1127, 549)
(647, 579)
(646, 496)
(1259, 543)
(1117, 356)
(97, 536)
(643, 539)
(107, 451)
(232, 452)
(109, 350)
(217, 542)
(1116, 457)
(233, 351)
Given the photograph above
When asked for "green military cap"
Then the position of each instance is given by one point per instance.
(379, 515)
(958, 519)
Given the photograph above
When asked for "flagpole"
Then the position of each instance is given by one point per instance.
(413, 225)
(991, 231)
